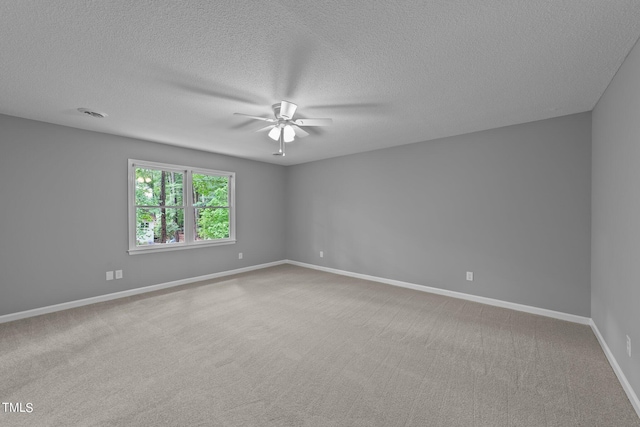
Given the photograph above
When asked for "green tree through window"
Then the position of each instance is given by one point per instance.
(159, 206)
(176, 206)
(211, 203)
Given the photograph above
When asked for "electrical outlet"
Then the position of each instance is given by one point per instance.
(628, 346)
(118, 274)
(321, 254)
(109, 275)
(470, 276)
(240, 255)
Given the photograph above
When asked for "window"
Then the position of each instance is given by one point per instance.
(177, 207)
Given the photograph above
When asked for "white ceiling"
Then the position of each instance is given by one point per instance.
(387, 72)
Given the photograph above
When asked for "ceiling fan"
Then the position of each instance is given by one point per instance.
(284, 127)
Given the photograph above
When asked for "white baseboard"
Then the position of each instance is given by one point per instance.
(631, 394)
(489, 301)
(108, 297)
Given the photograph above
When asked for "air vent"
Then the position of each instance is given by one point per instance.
(92, 113)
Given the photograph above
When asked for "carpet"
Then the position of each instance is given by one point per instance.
(290, 346)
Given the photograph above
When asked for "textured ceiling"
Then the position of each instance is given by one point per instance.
(387, 72)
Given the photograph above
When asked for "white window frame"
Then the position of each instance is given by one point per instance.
(187, 198)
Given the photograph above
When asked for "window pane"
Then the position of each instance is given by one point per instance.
(159, 226)
(158, 188)
(211, 223)
(210, 190)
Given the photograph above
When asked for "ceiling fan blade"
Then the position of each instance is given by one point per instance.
(299, 132)
(382, 106)
(313, 122)
(294, 65)
(242, 124)
(266, 119)
(265, 128)
(208, 86)
(223, 95)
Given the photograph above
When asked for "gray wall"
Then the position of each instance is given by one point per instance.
(615, 253)
(63, 215)
(510, 204)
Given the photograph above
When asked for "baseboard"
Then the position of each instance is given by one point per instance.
(631, 394)
(489, 301)
(108, 297)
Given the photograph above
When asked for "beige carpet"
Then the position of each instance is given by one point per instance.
(288, 346)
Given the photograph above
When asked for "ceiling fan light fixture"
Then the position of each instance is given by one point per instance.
(289, 133)
(275, 133)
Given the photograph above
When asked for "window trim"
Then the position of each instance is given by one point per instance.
(187, 198)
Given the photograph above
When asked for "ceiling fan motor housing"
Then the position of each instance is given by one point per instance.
(284, 110)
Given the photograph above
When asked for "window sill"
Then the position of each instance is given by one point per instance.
(177, 247)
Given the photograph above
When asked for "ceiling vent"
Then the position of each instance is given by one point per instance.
(92, 113)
